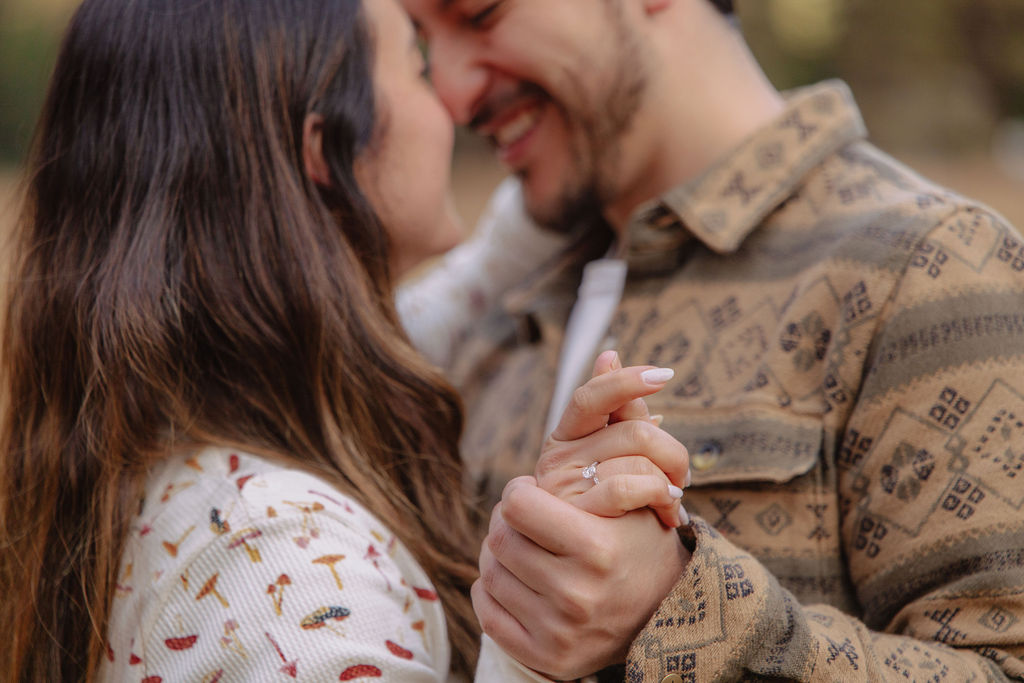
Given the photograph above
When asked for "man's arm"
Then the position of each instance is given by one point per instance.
(439, 310)
(933, 509)
(933, 505)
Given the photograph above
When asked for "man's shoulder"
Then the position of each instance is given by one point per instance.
(926, 214)
(861, 174)
(863, 204)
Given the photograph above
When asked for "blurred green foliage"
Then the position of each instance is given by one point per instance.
(29, 39)
(932, 75)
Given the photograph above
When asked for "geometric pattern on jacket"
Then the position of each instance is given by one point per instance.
(848, 341)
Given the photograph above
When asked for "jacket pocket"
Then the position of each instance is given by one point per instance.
(747, 444)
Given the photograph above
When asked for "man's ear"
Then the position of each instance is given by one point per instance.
(313, 150)
(655, 6)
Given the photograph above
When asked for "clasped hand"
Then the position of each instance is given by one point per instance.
(571, 570)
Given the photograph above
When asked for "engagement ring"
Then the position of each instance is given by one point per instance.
(590, 472)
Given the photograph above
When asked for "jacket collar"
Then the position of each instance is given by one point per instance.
(723, 205)
(731, 198)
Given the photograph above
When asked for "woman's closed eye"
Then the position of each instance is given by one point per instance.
(479, 18)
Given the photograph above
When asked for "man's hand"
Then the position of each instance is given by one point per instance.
(565, 591)
(571, 570)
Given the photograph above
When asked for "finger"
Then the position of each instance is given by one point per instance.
(498, 623)
(632, 410)
(605, 363)
(636, 409)
(505, 588)
(561, 468)
(628, 464)
(548, 522)
(522, 480)
(592, 403)
(623, 464)
(671, 515)
(507, 550)
(534, 649)
(617, 495)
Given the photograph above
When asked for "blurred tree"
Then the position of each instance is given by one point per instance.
(29, 37)
(996, 48)
(908, 62)
(794, 40)
(930, 75)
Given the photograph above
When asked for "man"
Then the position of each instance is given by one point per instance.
(848, 341)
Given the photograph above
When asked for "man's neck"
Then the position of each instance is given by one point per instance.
(694, 116)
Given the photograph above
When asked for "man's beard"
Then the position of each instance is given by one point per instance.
(596, 145)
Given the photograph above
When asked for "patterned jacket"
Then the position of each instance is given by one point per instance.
(848, 341)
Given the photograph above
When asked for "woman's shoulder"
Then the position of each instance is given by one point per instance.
(235, 556)
(220, 491)
(240, 502)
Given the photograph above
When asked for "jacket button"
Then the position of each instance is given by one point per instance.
(672, 678)
(707, 457)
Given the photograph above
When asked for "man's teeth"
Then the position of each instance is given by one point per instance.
(517, 127)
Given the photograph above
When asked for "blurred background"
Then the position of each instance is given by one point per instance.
(940, 84)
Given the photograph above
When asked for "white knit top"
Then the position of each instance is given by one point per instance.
(239, 569)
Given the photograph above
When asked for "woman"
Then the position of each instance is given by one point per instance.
(221, 460)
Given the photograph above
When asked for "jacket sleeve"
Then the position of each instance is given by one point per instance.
(440, 309)
(931, 489)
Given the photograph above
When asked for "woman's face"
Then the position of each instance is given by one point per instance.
(406, 171)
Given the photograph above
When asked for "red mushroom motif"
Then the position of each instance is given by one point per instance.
(210, 588)
(181, 642)
(321, 617)
(397, 650)
(360, 671)
(241, 539)
(329, 561)
(276, 591)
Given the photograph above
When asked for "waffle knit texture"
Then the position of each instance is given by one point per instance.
(239, 569)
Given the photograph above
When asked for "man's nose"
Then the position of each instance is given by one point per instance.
(459, 78)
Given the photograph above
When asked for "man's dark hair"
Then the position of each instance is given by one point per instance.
(724, 6)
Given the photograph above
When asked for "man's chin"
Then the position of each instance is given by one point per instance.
(566, 212)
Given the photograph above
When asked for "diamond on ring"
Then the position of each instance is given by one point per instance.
(590, 472)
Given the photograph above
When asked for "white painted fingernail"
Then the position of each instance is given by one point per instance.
(675, 491)
(689, 477)
(657, 375)
(656, 420)
(684, 516)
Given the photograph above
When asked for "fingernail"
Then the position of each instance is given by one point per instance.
(689, 476)
(656, 420)
(657, 375)
(675, 491)
(684, 516)
(616, 361)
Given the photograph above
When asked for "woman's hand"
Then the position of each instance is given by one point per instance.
(607, 456)
(568, 577)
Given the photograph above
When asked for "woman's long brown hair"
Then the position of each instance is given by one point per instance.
(179, 281)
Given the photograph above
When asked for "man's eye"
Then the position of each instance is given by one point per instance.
(479, 19)
(422, 51)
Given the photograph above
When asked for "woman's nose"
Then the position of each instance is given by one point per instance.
(459, 78)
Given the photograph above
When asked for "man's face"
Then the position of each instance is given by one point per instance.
(553, 84)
